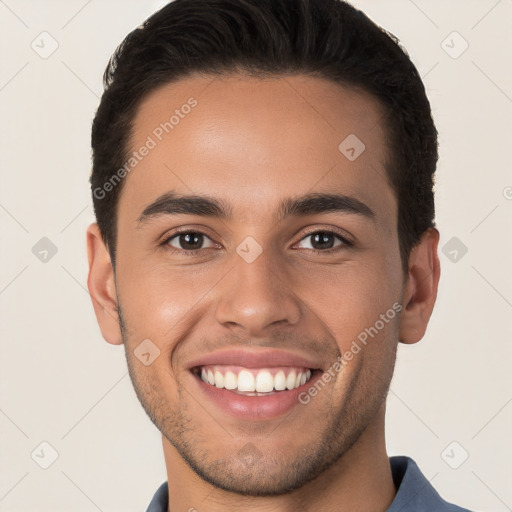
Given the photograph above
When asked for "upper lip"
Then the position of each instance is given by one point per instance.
(255, 359)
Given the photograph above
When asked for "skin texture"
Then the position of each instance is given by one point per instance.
(252, 143)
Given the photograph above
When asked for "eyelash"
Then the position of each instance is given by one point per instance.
(195, 252)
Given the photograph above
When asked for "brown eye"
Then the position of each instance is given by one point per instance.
(325, 241)
(187, 241)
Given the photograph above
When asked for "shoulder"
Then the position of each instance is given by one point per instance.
(160, 500)
(414, 492)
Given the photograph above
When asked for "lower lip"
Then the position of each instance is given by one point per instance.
(254, 408)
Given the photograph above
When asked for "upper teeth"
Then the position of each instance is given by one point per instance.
(263, 381)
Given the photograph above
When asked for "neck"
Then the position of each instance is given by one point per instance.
(360, 480)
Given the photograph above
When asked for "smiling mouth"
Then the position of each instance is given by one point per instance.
(252, 381)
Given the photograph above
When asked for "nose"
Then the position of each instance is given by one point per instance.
(256, 295)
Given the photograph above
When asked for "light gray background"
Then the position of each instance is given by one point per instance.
(61, 383)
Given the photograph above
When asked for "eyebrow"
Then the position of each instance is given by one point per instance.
(172, 203)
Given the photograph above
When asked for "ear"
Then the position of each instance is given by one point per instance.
(421, 288)
(102, 287)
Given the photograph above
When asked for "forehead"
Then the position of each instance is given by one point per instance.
(252, 142)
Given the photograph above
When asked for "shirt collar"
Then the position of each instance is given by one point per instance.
(415, 492)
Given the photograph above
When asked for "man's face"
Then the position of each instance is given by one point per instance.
(252, 144)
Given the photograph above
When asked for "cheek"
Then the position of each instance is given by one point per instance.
(346, 299)
(157, 302)
(162, 302)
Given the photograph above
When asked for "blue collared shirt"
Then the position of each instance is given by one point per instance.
(415, 493)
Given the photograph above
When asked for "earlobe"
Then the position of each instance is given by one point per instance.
(101, 285)
(420, 291)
